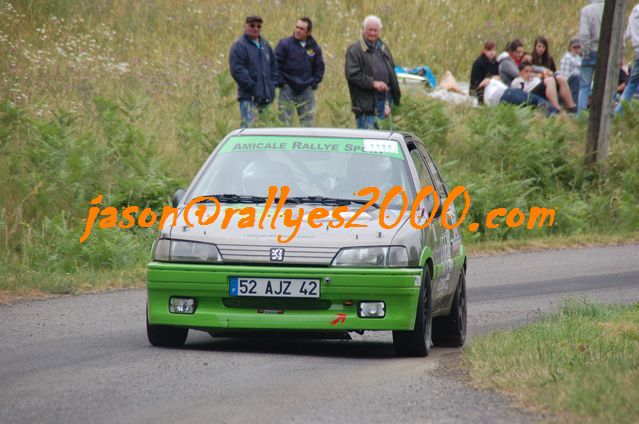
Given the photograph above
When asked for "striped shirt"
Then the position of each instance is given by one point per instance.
(570, 64)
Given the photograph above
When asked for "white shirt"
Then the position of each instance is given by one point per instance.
(527, 86)
(632, 31)
(493, 92)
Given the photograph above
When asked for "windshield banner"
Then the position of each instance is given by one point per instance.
(320, 144)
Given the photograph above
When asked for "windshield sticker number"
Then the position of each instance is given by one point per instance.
(381, 146)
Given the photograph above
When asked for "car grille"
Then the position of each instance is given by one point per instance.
(293, 255)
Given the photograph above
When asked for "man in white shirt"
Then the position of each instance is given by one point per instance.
(589, 28)
(632, 33)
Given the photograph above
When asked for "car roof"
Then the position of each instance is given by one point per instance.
(323, 132)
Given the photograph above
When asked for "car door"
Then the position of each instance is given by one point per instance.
(439, 243)
(453, 237)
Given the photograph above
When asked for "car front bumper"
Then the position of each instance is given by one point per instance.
(209, 285)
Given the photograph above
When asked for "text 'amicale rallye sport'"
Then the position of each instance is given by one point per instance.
(216, 275)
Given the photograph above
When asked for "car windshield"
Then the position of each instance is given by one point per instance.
(310, 166)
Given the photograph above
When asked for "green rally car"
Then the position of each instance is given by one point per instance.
(257, 267)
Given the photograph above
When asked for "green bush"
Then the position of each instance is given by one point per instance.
(51, 168)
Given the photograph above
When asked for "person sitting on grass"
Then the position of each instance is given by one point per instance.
(496, 92)
(541, 56)
(570, 64)
(484, 67)
(550, 88)
(510, 60)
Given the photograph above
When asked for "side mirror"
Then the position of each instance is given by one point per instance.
(177, 197)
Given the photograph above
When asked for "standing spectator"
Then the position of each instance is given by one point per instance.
(509, 61)
(254, 69)
(541, 55)
(632, 33)
(484, 67)
(301, 68)
(589, 27)
(370, 74)
(570, 65)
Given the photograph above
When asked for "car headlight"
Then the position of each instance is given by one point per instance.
(374, 256)
(166, 250)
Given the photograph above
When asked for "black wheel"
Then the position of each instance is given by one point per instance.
(164, 335)
(417, 342)
(450, 331)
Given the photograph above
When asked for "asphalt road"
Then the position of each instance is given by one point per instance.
(86, 358)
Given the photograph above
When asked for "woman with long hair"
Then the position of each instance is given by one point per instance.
(541, 54)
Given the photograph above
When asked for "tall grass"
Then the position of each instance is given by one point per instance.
(128, 98)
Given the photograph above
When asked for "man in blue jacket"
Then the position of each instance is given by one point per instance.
(301, 68)
(254, 69)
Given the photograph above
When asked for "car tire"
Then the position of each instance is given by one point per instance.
(417, 342)
(166, 336)
(450, 330)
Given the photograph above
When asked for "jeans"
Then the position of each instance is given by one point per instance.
(367, 120)
(573, 83)
(304, 103)
(248, 110)
(631, 86)
(585, 80)
(515, 96)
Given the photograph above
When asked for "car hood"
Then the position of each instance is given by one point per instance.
(313, 246)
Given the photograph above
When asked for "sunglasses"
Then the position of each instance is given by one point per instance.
(255, 25)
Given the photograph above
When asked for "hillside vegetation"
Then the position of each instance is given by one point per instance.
(128, 98)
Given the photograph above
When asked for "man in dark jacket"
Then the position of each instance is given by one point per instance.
(300, 69)
(254, 69)
(371, 76)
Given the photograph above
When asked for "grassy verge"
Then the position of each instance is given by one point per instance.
(581, 363)
(33, 284)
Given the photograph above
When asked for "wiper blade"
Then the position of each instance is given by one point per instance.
(237, 198)
(328, 201)
(362, 202)
(234, 198)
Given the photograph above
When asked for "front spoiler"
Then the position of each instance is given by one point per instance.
(209, 284)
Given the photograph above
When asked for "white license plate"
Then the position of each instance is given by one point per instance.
(274, 287)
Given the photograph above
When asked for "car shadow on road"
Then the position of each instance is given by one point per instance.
(293, 344)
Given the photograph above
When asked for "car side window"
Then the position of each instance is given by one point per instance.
(420, 166)
(439, 182)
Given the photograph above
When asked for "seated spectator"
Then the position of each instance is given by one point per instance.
(570, 64)
(624, 76)
(484, 67)
(541, 55)
(550, 88)
(509, 61)
(540, 71)
(497, 92)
